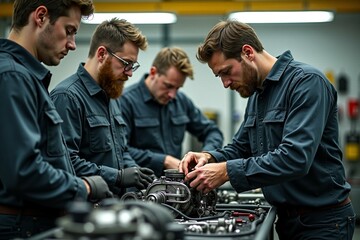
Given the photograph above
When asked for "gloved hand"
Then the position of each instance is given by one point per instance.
(138, 177)
(98, 188)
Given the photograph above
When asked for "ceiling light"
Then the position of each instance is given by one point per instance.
(135, 18)
(283, 16)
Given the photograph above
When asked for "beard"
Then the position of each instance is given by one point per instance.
(250, 81)
(46, 53)
(112, 85)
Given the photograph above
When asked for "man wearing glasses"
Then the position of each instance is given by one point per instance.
(93, 125)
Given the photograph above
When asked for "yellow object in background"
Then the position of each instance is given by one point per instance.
(330, 75)
(352, 146)
(352, 152)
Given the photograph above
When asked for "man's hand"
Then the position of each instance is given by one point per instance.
(138, 177)
(208, 177)
(193, 160)
(171, 162)
(98, 188)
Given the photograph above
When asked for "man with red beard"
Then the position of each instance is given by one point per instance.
(288, 142)
(93, 127)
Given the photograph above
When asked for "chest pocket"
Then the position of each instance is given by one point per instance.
(274, 127)
(147, 133)
(55, 142)
(99, 134)
(179, 127)
(250, 127)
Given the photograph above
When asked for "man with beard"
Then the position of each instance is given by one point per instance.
(158, 115)
(288, 142)
(37, 179)
(93, 126)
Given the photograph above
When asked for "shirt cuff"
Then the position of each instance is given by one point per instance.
(157, 163)
(80, 188)
(236, 173)
(219, 157)
(109, 175)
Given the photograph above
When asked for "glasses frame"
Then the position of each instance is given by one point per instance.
(133, 66)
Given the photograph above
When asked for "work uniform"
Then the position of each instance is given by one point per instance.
(288, 145)
(156, 130)
(37, 179)
(93, 128)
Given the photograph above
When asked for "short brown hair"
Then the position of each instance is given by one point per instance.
(114, 34)
(168, 57)
(228, 37)
(56, 8)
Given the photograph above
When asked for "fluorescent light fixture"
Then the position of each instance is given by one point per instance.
(135, 18)
(283, 16)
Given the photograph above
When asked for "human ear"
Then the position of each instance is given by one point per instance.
(100, 53)
(247, 51)
(40, 15)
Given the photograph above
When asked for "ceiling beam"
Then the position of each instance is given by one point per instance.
(210, 7)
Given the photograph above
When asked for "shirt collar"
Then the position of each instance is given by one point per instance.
(21, 55)
(280, 66)
(145, 92)
(89, 82)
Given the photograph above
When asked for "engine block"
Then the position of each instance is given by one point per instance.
(168, 209)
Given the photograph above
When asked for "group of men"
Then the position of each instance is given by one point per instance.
(92, 139)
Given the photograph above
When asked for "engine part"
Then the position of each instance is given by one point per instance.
(171, 191)
(113, 219)
(235, 223)
(232, 197)
(170, 209)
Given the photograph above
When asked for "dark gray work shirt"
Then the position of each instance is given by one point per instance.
(288, 141)
(35, 168)
(93, 127)
(156, 130)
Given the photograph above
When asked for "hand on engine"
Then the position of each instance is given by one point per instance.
(193, 160)
(171, 162)
(139, 177)
(208, 177)
(98, 188)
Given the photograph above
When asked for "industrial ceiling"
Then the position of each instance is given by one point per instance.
(211, 7)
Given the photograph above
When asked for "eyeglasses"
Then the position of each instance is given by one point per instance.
(133, 66)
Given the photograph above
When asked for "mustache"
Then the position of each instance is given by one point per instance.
(123, 79)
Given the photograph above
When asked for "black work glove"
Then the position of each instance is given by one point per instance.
(99, 188)
(138, 177)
